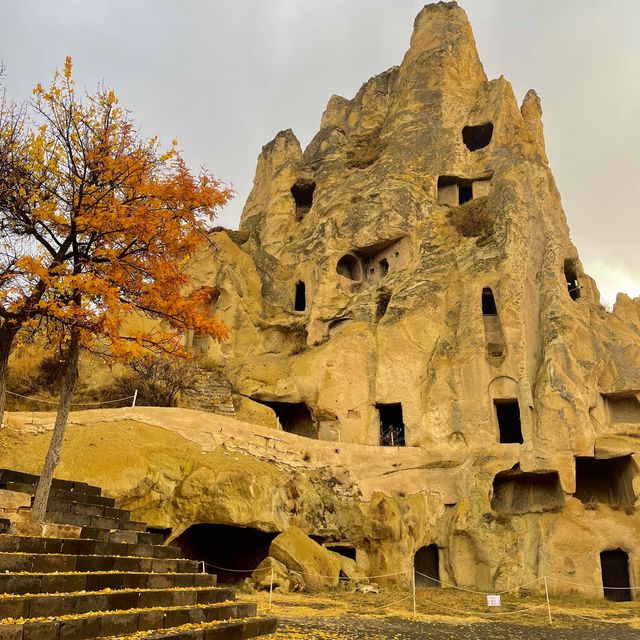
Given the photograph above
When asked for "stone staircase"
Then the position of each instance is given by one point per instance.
(209, 393)
(92, 572)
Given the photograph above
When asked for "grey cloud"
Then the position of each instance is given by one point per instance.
(223, 76)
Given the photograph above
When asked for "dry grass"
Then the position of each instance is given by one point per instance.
(448, 606)
(32, 372)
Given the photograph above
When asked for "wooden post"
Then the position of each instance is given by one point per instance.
(413, 587)
(546, 593)
(271, 589)
(135, 397)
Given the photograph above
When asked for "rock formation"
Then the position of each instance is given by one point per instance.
(405, 301)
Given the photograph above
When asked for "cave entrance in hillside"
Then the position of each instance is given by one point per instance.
(384, 267)
(383, 304)
(615, 575)
(489, 307)
(477, 136)
(426, 566)
(229, 551)
(302, 192)
(391, 425)
(607, 481)
(300, 301)
(350, 266)
(344, 550)
(516, 492)
(571, 276)
(508, 415)
(623, 407)
(294, 417)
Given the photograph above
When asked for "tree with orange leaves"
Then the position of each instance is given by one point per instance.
(98, 226)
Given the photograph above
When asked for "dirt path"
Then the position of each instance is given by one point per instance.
(398, 629)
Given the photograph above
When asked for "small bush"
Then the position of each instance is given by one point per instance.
(158, 380)
(472, 219)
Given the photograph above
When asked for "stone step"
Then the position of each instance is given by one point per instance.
(66, 582)
(30, 480)
(237, 630)
(47, 605)
(84, 498)
(121, 535)
(51, 562)
(80, 508)
(19, 523)
(80, 546)
(96, 522)
(119, 623)
(61, 495)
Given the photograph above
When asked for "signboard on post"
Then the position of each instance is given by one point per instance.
(493, 601)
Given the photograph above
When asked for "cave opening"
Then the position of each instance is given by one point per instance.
(516, 492)
(383, 304)
(350, 266)
(508, 415)
(571, 276)
(606, 481)
(302, 192)
(426, 566)
(300, 301)
(229, 551)
(622, 407)
(344, 550)
(391, 425)
(294, 417)
(615, 575)
(489, 307)
(465, 193)
(477, 136)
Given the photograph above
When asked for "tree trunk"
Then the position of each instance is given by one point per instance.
(38, 513)
(7, 334)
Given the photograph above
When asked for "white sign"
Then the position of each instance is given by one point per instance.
(493, 601)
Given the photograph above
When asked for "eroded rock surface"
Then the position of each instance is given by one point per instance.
(405, 301)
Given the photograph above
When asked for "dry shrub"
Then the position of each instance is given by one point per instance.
(158, 380)
(24, 367)
(472, 219)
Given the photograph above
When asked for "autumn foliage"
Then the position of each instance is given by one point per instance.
(109, 221)
(96, 224)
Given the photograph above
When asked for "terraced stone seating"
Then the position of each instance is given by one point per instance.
(92, 572)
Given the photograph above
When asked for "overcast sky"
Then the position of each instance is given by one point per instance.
(224, 76)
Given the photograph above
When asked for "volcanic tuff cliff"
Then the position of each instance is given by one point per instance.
(408, 279)
(428, 263)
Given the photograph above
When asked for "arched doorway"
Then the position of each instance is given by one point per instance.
(426, 566)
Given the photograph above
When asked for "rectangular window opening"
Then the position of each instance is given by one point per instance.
(606, 481)
(465, 193)
(300, 302)
(391, 425)
(489, 307)
(508, 414)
